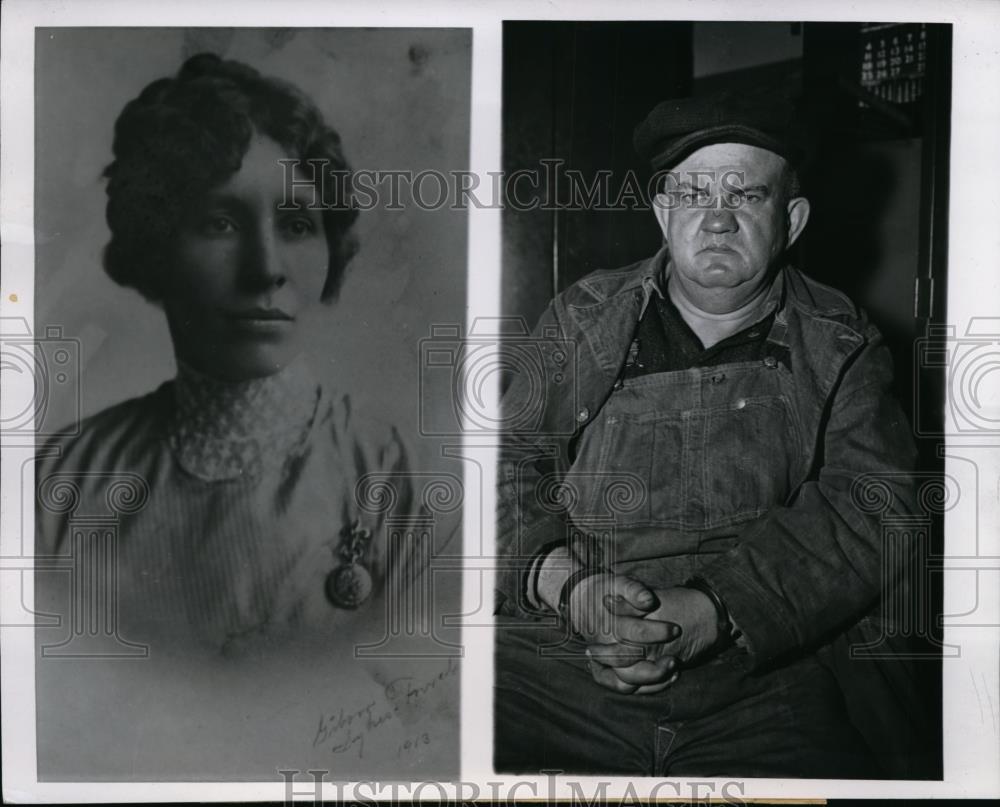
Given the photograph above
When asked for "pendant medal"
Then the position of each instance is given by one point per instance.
(350, 584)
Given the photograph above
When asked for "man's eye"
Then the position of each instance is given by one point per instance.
(699, 195)
(218, 225)
(752, 197)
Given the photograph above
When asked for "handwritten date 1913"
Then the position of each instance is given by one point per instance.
(413, 744)
(345, 729)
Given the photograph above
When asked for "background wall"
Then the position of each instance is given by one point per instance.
(574, 91)
(720, 47)
(400, 100)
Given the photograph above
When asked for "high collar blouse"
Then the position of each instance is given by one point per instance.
(224, 507)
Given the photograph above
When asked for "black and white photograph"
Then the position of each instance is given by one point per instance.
(716, 511)
(512, 401)
(236, 511)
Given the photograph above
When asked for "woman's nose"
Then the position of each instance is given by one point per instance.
(720, 219)
(262, 260)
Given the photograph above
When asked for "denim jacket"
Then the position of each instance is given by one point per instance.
(806, 573)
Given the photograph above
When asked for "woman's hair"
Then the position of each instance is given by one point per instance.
(184, 135)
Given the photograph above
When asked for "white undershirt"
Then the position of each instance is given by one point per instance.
(713, 328)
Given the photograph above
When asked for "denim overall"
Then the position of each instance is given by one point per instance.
(676, 462)
(669, 472)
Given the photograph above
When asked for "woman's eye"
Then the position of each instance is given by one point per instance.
(218, 225)
(299, 227)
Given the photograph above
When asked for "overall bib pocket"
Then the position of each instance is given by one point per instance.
(635, 471)
(749, 455)
(681, 451)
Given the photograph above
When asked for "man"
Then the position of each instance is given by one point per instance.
(687, 549)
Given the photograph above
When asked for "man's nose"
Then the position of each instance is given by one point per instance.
(719, 219)
(263, 267)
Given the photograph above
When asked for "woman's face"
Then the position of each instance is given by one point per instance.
(246, 277)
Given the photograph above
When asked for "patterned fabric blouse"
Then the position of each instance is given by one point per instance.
(223, 506)
(186, 539)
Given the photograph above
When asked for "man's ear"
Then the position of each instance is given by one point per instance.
(661, 209)
(798, 215)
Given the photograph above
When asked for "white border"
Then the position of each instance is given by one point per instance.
(972, 746)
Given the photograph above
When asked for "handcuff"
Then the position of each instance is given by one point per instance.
(726, 633)
(572, 582)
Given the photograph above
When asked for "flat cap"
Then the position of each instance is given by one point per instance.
(763, 117)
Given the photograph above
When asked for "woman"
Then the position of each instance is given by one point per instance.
(243, 507)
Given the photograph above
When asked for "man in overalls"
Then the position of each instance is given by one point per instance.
(686, 538)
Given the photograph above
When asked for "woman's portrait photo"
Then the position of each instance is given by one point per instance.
(237, 513)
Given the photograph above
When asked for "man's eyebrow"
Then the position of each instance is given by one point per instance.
(761, 189)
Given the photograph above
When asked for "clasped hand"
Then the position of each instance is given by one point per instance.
(638, 637)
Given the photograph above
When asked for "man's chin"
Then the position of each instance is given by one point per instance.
(720, 271)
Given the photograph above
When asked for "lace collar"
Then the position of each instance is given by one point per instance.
(230, 430)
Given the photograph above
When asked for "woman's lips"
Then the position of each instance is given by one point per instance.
(261, 313)
(262, 320)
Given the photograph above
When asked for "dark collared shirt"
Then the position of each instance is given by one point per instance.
(665, 342)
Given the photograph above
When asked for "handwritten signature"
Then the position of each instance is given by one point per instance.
(411, 690)
(345, 729)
